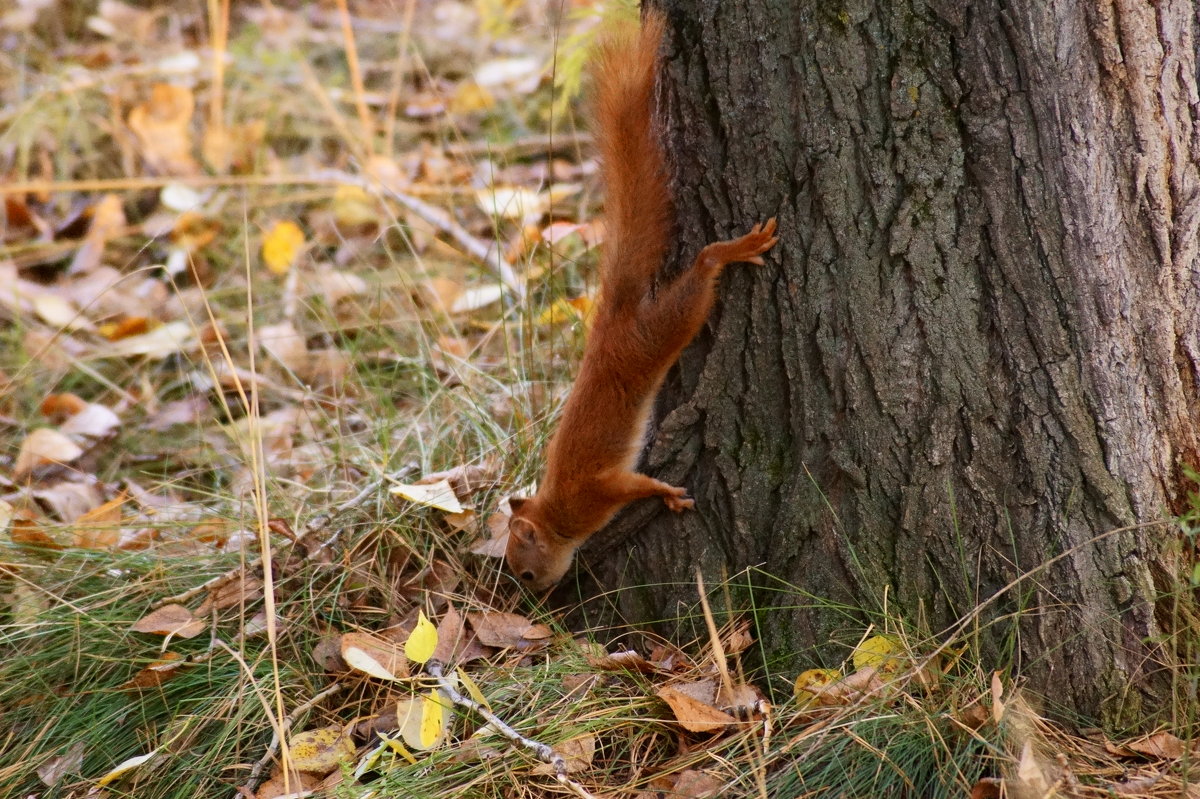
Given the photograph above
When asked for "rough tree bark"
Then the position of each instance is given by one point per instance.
(977, 346)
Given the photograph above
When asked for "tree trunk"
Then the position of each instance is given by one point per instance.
(974, 354)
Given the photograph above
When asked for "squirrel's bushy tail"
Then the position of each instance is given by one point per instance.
(638, 208)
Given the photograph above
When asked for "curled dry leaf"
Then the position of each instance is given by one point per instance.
(124, 767)
(160, 671)
(622, 660)
(1160, 745)
(161, 342)
(93, 421)
(241, 590)
(44, 447)
(174, 620)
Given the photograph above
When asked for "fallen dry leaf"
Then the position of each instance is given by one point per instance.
(321, 750)
(173, 620)
(281, 245)
(44, 447)
(374, 656)
(504, 630)
(69, 500)
(299, 784)
(577, 752)
(692, 705)
(162, 126)
(100, 527)
(437, 495)
(239, 591)
(624, 660)
(160, 671)
(54, 770)
(108, 220)
(285, 344)
(1161, 744)
(694, 784)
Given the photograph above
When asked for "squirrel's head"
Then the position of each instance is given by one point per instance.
(537, 556)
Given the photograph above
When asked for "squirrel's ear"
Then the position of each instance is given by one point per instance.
(516, 502)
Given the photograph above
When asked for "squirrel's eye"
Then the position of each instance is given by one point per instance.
(526, 576)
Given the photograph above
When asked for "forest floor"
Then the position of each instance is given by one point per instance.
(289, 298)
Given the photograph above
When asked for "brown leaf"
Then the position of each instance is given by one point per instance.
(100, 527)
(692, 710)
(1158, 745)
(299, 784)
(693, 784)
(25, 530)
(174, 620)
(53, 771)
(57, 407)
(455, 645)
(494, 546)
(577, 751)
(502, 630)
(241, 590)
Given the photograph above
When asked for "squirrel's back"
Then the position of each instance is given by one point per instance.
(638, 209)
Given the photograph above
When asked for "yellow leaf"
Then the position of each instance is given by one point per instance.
(281, 245)
(473, 689)
(438, 495)
(435, 719)
(398, 748)
(810, 682)
(123, 768)
(882, 652)
(421, 641)
(352, 206)
(561, 312)
(321, 750)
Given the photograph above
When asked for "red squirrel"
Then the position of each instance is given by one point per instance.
(638, 330)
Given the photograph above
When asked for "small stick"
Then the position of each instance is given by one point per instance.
(544, 752)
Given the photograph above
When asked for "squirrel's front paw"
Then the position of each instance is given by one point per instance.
(749, 248)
